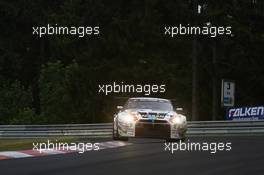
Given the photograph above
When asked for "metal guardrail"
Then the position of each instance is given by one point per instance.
(200, 128)
(196, 128)
(87, 130)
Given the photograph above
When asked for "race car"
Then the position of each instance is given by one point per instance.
(150, 118)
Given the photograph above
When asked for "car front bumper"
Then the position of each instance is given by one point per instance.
(152, 129)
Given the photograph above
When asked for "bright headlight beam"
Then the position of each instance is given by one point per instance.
(176, 120)
(128, 118)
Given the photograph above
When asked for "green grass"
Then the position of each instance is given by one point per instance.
(21, 144)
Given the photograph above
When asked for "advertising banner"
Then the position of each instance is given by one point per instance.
(245, 113)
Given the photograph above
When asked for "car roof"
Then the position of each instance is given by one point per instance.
(149, 99)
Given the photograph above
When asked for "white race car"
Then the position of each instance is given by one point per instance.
(149, 117)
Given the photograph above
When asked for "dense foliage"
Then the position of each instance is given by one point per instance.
(54, 79)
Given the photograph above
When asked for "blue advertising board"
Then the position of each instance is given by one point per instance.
(245, 113)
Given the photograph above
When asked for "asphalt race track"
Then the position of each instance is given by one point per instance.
(147, 156)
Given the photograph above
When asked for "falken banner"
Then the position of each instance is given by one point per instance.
(245, 113)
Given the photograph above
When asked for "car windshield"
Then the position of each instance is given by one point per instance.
(148, 104)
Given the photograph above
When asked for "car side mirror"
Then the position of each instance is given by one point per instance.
(119, 107)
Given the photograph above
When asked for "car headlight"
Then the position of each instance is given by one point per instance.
(128, 118)
(178, 119)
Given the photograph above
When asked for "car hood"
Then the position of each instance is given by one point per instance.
(150, 111)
